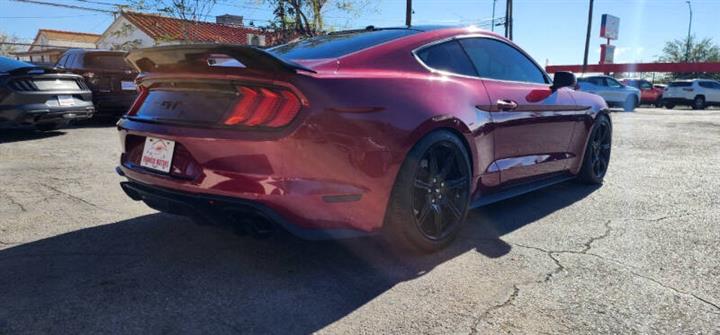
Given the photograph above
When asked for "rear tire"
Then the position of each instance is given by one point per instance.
(431, 196)
(669, 106)
(698, 103)
(658, 103)
(597, 152)
(630, 103)
(47, 126)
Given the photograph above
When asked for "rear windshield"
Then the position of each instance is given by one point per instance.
(680, 84)
(7, 64)
(106, 61)
(336, 45)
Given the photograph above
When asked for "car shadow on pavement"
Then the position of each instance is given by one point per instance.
(160, 273)
(19, 135)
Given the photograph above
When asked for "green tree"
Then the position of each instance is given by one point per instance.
(705, 50)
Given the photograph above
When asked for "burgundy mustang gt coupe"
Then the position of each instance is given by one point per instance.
(399, 131)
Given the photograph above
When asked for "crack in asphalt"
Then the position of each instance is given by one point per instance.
(588, 245)
(14, 202)
(73, 197)
(507, 302)
(559, 267)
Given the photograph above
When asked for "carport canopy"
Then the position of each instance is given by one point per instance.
(713, 67)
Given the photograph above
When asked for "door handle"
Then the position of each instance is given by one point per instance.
(506, 105)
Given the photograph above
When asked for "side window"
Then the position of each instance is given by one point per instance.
(645, 85)
(497, 60)
(448, 56)
(716, 85)
(597, 81)
(613, 83)
(706, 84)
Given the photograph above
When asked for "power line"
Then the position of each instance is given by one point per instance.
(46, 17)
(103, 3)
(39, 45)
(66, 6)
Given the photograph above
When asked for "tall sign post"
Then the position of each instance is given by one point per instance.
(609, 29)
(587, 36)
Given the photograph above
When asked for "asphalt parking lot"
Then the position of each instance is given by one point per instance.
(637, 255)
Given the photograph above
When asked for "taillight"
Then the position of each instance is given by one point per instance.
(142, 94)
(265, 107)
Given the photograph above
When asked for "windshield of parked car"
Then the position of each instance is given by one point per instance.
(336, 45)
(112, 61)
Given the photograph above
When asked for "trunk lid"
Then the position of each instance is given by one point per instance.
(215, 86)
(206, 57)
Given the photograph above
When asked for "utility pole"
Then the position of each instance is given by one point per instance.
(508, 20)
(408, 13)
(687, 52)
(587, 36)
(493, 16)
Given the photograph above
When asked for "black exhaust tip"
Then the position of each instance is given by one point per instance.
(130, 191)
(244, 223)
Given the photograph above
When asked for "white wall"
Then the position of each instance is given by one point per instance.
(117, 34)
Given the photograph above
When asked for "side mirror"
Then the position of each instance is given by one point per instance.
(563, 79)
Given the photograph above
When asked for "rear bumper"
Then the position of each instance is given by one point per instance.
(33, 114)
(113, 104)
(677, 101)
(315, 180)
(220, 208)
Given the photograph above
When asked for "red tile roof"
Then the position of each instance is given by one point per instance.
(166, 28)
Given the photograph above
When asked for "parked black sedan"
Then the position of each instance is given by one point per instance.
(109, 77)
(41, 97)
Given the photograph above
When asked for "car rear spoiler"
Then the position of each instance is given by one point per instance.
(198, 57)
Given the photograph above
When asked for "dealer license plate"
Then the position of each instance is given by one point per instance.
(157, 154)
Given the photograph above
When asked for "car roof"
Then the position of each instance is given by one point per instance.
(105, 51)
(9, 64)
(597, 76)
(420, 28)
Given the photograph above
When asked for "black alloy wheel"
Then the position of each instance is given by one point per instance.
(431, 195)
(440, 196)
(597, 154)
(600, 149)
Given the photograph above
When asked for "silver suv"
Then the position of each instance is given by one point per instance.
(697, 93)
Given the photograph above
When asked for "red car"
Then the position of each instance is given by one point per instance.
(399, 131)
(649, 94)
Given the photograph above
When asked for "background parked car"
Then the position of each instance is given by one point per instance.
(697, 93)
(110, 78)
(649, 94)
(40, 97)
(614, 93)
